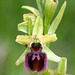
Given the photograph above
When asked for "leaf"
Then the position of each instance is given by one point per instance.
(57, 20)
(50, 8)
(23, 27)
(22, 57)
(35, 11)
(50, 55)
(38, 27)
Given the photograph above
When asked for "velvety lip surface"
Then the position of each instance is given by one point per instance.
(35, 61)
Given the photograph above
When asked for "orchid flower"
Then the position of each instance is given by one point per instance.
(39, 33)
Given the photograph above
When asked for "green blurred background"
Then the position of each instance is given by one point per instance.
(11, 14)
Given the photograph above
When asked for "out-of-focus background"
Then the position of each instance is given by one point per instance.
(11, 14)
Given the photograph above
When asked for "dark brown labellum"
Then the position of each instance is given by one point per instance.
(36, 61)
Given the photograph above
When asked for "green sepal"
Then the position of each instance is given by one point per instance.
(38, 27)
(50, 8)
(21, 59)
(62, 67)
(57, 20)
(23, 27)
(50, 55)
(21, 39)
(32, 9)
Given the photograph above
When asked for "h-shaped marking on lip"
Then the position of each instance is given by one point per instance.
(38, 57)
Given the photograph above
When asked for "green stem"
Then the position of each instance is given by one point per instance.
(29, 26)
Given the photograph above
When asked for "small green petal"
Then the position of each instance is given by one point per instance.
(22, 57)
(28, 39)
(21, 39)
(48, 38)
(38, 27)
(50, 55)
(32, 9)
(57, 20)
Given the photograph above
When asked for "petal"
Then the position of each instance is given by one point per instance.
(36, 61)
(45, 64)
(26, 62)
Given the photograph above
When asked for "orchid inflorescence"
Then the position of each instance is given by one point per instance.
(39, 33)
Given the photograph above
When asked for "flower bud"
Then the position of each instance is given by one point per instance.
(26, 16)
(50, 8)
